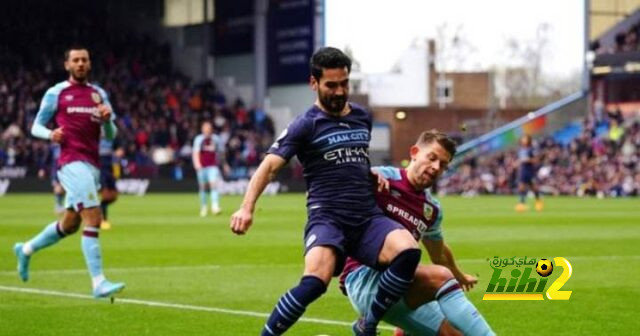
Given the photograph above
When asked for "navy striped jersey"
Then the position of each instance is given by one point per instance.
(334, 152)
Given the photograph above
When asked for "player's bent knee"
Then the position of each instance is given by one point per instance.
(320, 262)
(396, 242)
(71, 229)
(437, 275)
(404, 240)
(71, 222)
(410, 256)
(91, 216)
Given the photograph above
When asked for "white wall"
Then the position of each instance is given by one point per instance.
(407, 85)
(286, 102)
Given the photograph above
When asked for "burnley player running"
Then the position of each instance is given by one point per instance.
(80, 110)
(206, 147)
(408, 201)
(331, 140)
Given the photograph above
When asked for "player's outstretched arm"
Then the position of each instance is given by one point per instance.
(441, 254)
(242, 219)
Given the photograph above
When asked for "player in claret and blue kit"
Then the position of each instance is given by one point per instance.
(206, 147)
(81, 110)
(435, 300)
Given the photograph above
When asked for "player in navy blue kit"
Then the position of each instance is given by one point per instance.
(108, 189)
(527, 175)
(331, 140)
(49, 164)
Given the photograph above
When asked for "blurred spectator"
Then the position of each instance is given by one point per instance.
(600, 165)
(158, 109)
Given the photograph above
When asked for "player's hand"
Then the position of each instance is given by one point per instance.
(42, 173)
(57, 135)
(105, 112)
(383, 183)
(467, 281)
(241, 220)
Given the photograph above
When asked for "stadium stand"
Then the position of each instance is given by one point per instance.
(159, 109)
(598, 157)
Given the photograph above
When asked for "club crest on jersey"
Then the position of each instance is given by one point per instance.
(395, 193)
(68, 97)
(96, 97)
(428, 211)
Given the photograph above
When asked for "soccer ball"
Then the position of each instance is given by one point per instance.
(544, 267)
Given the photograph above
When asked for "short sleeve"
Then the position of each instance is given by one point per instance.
(292, 139)
(388, 172)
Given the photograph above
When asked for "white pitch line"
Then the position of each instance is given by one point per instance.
(151, 269)
(216, 267)
(120, 270)
(172, 305)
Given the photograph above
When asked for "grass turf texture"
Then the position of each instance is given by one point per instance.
(166, 253)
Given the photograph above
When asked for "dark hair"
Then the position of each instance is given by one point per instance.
(442, 139)
(73, 47)
(328, 58)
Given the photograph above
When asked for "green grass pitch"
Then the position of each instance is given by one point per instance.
(188, 275)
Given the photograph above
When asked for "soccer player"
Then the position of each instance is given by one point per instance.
(206, 147)
(527, 174)
(331, 140)
(408, 201)
(108, 190)
(49, 163)
(80, 110)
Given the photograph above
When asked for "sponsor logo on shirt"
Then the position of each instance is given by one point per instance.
(348, 155)
(350, 136)
(420, 225)
(93, 111)
(83, 109)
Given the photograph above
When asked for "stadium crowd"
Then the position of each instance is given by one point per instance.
(159, 110)
(624, 41)
(603, 161)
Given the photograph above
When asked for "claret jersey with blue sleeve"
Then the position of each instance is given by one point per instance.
(74, 107)
(416, 210)
(334, 153)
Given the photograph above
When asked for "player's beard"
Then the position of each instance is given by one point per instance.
(79, 76)
(333, 104)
